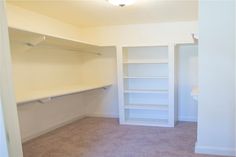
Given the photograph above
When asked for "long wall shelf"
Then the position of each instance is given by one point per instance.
(162, 107)
(40, 95)
(145, 77)
(146, 91)
(29, 40)
(146, 61)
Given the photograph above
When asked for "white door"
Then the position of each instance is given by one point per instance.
(8, 108)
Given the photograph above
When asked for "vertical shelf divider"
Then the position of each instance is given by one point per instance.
(172, 82)
(119, 55)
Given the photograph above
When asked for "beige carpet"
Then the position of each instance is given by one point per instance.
(104, 137)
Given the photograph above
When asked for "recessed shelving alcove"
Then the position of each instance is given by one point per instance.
(147, 86)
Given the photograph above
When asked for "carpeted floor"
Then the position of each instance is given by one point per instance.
(104, 137)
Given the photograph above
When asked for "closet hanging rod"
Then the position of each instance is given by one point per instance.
(37, 42)
(72, 50)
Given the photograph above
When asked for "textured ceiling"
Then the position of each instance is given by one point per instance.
(92, 13)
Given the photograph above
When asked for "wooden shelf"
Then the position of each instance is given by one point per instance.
(147, 61)
(145, 91)
(39, 95)
(145, 77)
(161, 107)
(147, 122)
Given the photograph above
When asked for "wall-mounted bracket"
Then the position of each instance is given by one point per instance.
(45, 100)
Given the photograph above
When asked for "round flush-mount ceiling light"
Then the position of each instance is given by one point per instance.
(121, 3)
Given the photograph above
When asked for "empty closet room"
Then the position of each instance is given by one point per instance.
(116, 78)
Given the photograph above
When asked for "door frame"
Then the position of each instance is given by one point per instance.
(3, 135)
(8, 103)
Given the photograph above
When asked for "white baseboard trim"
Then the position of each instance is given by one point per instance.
(56, 126)
(102, 115)
(187, 119)
(215, 150)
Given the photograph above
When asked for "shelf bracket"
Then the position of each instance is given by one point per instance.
(45, 100)
(36, 42)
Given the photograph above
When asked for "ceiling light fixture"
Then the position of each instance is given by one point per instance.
(121, 3)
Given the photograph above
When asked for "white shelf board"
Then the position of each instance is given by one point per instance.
(146, 61)
(39, 95)
(147, 122)
(145, 91)
(161, 107)
(145, 77)
(26, 38)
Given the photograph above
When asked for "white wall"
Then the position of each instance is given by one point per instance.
(45, 69)
(216, 121)
(38, 118)
(142, 34)
(103, 102)
(27, 20)
(187, 56)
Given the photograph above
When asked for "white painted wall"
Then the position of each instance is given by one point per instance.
(142, 34)
(38, 118)
(103, 102)
(216, 118)
(187, 56)
(27, 20)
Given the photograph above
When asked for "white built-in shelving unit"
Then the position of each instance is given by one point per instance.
(146, 85)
